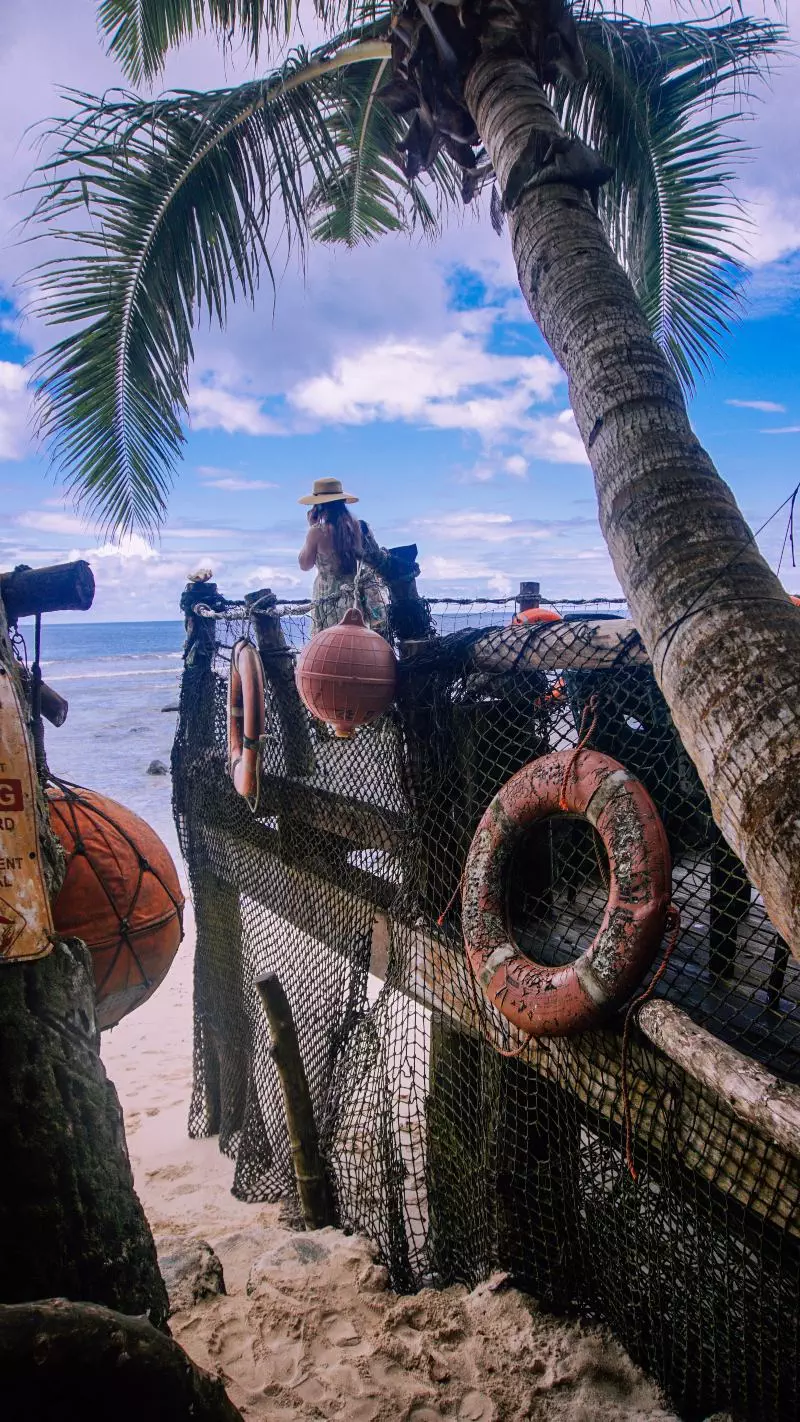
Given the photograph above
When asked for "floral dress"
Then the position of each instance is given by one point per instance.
(335, 593)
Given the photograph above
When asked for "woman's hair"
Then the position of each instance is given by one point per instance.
(347, 541)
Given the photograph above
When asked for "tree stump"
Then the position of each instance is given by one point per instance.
(70, 1220)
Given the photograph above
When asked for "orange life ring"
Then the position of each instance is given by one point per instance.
(245, 717)
(557, 1001)
(536, 614)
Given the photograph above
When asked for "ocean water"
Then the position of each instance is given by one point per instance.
(117, 677)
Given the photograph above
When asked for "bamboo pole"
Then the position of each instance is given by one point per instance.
(309, 1171)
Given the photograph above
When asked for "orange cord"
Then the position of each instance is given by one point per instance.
(445, 911)
(583, 738)
(674, 924)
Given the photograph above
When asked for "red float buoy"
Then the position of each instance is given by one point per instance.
(536, 614)
(121, 895)
(347, 674)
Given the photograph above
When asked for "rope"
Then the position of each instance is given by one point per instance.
(584, 736)
(674, 925)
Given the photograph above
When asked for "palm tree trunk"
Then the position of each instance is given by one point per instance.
(722, 634)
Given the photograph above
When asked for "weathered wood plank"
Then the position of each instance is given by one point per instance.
(301, 895)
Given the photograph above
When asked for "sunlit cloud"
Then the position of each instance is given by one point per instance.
(765, 407)
(14, 410)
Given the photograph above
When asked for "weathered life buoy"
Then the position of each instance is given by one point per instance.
(536, 614)
(557, 1001)
(245, 717)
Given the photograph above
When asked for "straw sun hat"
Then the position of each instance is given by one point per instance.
(327, 491)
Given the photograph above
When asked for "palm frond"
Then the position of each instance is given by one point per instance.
(669, 209)
(176, 206)
(369, 194)
(141, 33)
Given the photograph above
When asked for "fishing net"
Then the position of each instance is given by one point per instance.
(454, 1158)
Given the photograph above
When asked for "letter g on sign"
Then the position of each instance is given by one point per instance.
(11, 795)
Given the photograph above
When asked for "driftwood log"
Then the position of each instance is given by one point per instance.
(309, 1170)
(754, 1094)
(72, 1362)
(65, 587)
(559, 646)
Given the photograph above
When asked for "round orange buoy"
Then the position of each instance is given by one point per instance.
(558, 1001)
(120, 895)
(347, 674)
(536, 614)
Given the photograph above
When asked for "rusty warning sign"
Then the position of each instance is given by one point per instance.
(26, 924)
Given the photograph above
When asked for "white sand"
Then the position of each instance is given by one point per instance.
(315, 1333)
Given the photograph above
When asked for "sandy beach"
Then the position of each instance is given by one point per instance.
(307, 1327)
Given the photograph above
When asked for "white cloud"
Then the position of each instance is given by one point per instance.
(479, 527)
(269, 577)
(54, 523)
(773, 231)
(14, 410)
(234, 485)
(516, 466)
(454, 571)
(783, 429)
(765, 407)
(135, 547)
(555, 438)
(177, 532)
(450, 382)
(213, 408)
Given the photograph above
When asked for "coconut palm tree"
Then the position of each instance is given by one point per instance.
(612, 174)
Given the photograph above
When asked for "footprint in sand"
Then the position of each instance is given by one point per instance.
(477, 1407)
(169, 1172)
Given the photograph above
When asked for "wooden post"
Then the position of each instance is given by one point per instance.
(411, 618)
(65, 587)
(276, 655)
(528, 596)
(309, 1170)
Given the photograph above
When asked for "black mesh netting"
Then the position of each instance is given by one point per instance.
(455, 1159)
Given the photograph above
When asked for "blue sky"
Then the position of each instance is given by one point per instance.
(411, 372)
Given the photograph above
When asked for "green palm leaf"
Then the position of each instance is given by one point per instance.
(141, 32)
(174, 199)
(668, 210)
(369, 195)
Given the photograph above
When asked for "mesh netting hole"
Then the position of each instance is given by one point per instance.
(557, 889)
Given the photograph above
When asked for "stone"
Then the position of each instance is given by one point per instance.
(157, 767)
(190, 1269)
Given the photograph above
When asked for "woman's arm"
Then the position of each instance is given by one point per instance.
(307, 556)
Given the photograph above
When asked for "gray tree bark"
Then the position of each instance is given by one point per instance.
(722, 634)
(70, 1221)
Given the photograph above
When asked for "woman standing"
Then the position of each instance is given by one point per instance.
(335, 546)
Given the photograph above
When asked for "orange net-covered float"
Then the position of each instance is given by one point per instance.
(347, 674)
(121, 895)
